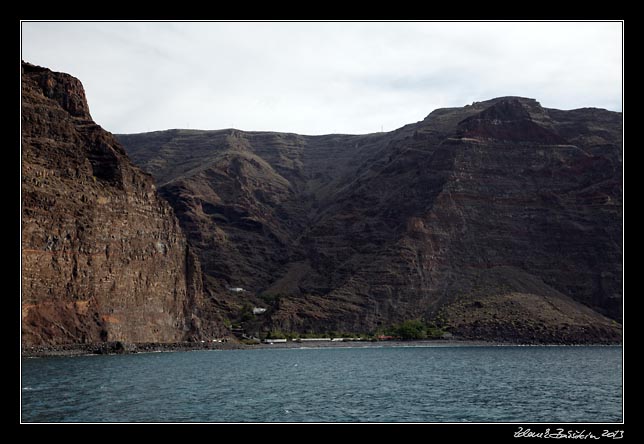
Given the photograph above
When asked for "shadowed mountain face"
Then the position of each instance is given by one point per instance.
(499, 220)
(103, 257)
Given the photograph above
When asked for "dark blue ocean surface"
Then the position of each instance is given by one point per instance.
(384, 384)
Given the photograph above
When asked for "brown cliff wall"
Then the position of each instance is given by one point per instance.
(103, 257)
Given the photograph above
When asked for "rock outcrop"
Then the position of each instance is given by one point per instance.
(501, 219)
(103, 257)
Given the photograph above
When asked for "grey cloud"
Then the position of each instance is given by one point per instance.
(315, 78)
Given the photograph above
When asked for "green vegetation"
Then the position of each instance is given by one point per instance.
(414, 329)
(272, 300)
(435, 332)
(312, 334)
(276, 334)
(247, 312)
(411, 329)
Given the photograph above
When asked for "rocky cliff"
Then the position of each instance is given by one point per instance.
(498, 220)
(103, 257)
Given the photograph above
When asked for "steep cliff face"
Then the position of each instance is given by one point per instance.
(103, 257)
(506, 231)
(499, 220)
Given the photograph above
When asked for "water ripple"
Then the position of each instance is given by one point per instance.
(384, 384)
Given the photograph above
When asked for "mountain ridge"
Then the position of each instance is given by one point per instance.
(356, 232)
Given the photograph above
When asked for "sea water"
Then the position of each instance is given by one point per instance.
(362, 384)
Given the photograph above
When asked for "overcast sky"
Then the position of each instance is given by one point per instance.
(320, 78)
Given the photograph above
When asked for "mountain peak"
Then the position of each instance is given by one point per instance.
(500, 109)
(506, 109)
(517, 99)
(63, 88)
(510, 119)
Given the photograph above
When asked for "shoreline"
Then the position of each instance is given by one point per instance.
(119, 348)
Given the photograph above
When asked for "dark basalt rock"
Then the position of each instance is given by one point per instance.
(508, 120)
(502, 203)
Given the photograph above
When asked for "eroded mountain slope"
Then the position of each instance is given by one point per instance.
(501, 204)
